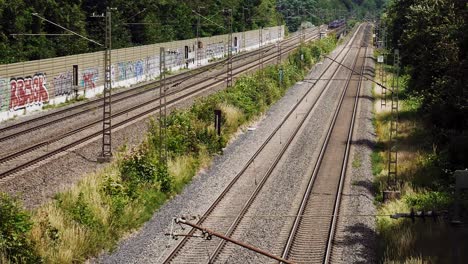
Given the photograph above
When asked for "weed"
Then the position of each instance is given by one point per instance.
(357, 162)
(377, 162)
(67, 102)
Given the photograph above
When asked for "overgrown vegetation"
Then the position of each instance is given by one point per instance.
(15, 224)
(67, 102)
(422, 181)
(432, 36)
(96, 213)
(433, 127)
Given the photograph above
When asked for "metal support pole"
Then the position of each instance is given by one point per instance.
(208, 233)
(280, 32)
(106, 153)
(162, 107)
(229, 76)
(302, 26)
(260, 44)
(243, 26)
(198, 55)
(383, 101)
(280, 66)
(392, 144)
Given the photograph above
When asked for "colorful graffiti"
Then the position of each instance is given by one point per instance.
(174, 58)
(152, 65)
(215, 49)
(89, 78)
(135, 69)
(121, 73)
(139, 70)
(28, 91)
(63, 84)
(4, 95)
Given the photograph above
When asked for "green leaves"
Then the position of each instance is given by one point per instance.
(429, 34)
(166, 20)
(15, 223)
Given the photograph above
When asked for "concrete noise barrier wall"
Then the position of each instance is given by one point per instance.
(28, 86)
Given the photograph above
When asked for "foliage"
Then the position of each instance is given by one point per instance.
(433, 42)
(146, 22)
(164, 21)
(422, 180)
(429, 200)
(296, 12)
(15, 223)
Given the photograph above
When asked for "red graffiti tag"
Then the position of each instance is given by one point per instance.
(88, 80)
(28, 91)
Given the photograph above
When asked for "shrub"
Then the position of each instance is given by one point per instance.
(164, 178)
(181, 136)
(82, 213)
(138, 168)
(429, 200)
(15, 223)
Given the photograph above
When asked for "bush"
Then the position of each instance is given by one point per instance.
(138, 168)
(164, 178)
(15, 223)
(429, 200)
(82, 213)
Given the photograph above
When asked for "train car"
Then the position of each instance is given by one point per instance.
(336, 23)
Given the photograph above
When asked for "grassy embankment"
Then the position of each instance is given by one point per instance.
(103, 207)
(423, 183)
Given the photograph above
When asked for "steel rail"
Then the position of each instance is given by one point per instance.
(125, 111)
(254, 195)
(180, 246)
(313, 177)
(336, 207)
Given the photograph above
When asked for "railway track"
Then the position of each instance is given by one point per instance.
(16, 161)
(238, 196)
(311, 236)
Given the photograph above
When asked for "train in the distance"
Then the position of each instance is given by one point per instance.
(336, 23)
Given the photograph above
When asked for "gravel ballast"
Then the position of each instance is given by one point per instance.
(356, 239)
(150, 244)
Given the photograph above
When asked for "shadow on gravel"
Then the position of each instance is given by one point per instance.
(367, 97)
(368, 185)
(364, 142)
(361, 240)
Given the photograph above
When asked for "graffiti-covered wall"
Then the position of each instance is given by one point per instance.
(28, 86)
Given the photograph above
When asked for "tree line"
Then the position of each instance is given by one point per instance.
(141, 22)
(135, 22)
(432, 36)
